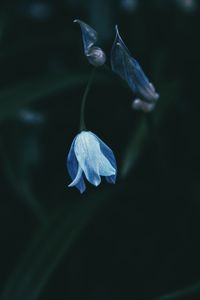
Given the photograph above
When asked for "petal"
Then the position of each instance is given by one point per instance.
(129, 69)
(105, 167)
(77, 178)
(86, 148)
(111, 179)
(89, 35)
(108, 153)
(72, 166)
(91, 159)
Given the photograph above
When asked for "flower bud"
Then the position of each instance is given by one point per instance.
(129, 70)
(96, 56)
(139, 104)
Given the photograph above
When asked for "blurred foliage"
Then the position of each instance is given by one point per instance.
(137, 239)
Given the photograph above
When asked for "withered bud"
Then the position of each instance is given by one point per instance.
(139, 104)
(96, 56)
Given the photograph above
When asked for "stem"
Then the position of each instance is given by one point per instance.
(82, 112)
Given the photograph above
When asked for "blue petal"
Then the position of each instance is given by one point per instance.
(108, 153)
(129, 69)
(84, 149)
(77, 178)
(72, 166)
(91, 159)
(89, 35)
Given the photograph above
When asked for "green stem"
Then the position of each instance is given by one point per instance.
(82, 113)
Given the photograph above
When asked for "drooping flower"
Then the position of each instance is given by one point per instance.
(90, 158)
(95, 55)
(129, 69)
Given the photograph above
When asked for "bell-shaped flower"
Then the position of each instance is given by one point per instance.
(95, 55)
(129, 69)
(90, 158)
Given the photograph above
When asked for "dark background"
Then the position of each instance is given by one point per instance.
(139, 238)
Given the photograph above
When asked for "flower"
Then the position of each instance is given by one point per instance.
(95, 55)
(129, 69)
(89, 157)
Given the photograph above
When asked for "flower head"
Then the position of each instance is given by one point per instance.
(129, 69)
(90, 158)
(95, 55)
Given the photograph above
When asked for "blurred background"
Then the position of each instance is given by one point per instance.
(139, 238)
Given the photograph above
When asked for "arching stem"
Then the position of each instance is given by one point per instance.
(82, 112)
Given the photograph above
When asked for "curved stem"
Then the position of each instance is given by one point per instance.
(82, 112)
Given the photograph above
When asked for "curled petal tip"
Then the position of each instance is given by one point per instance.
(77, 21)
(152, 86)
(141, 105)
(77, 178)
(119, 45)
(96, 182)
(157, 96)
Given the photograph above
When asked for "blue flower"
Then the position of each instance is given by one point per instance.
(90, 158)
(129, 69)
(95, 55)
